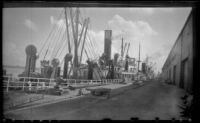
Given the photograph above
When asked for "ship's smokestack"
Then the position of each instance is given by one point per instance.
(107, 45)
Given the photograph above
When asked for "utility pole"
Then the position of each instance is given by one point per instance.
(139, 60)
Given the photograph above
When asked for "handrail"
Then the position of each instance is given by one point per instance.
(79, 80)
(51, 82)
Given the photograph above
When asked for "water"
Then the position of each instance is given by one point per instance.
(15, 70)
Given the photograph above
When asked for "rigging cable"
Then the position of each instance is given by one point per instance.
(96, 69)
(56, 42)
(53, 37)
(62, 49)
(60, 44)
(89, 49)
(47, 51)
(59, 47)
(92, 43)
(97, 59)
(92, 47)
(89, 36)
(50, 33)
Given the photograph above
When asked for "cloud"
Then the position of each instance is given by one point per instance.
(62, 24)
(133, 32)
(132, 29)
(95, 37)
(58, 22)
(31, 25)
(52, 20)
(151, 11)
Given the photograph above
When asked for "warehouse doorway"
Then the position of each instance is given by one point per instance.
(174, 75)
(184, 73)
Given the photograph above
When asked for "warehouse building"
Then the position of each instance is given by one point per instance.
(178, 68)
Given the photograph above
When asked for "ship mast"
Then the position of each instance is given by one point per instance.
(86, 28)
(67, 29)
(76, 44)
(122, 48)
(139, 59)
(75, 36)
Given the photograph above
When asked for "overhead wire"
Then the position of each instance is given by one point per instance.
(62, 49)
(57, 42)
(64, 46)
(83, 29)
(89, 49)
(50, 34)
(90, 44)
(87, 43)
(49, 43)
(59, 46)
(53, 38)
(62, 40)
(92, 47)
(100, 71)
(93, 41)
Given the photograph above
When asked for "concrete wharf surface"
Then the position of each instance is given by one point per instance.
(153, 99)
(71, 94)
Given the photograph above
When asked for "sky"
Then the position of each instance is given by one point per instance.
(156, 29)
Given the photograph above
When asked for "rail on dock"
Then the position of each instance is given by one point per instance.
(32, 83)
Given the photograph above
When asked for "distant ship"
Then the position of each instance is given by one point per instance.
(121, 67)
